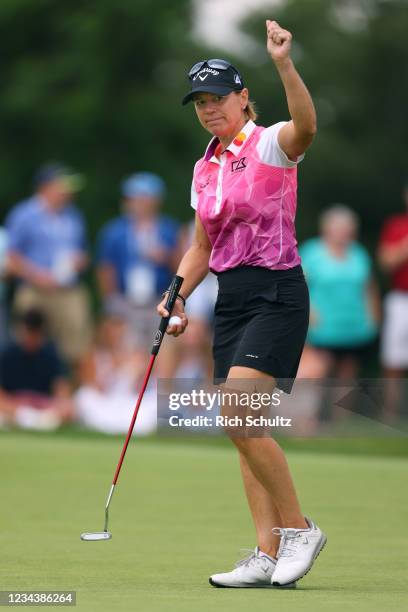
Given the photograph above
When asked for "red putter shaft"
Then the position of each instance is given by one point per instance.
(132, 423)
(172, 294)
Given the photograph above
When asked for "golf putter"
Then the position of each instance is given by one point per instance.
(171, 300)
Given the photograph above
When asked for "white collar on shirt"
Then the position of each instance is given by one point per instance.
(235, 149)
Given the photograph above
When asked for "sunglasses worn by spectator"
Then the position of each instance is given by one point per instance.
(218, 64)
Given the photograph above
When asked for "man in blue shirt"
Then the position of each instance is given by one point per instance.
(137, 252)
(47, 254)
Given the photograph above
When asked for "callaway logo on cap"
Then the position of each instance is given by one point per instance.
(200, 75)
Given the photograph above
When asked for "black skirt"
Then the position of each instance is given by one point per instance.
(261, 321)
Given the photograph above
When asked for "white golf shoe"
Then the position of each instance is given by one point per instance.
(255, 571)
(297, 552)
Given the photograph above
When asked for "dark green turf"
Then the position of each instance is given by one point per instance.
(179, 514)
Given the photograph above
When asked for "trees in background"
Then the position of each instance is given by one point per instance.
(353, 56)
(98, 85)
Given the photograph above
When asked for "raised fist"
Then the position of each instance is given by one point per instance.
(278, 41)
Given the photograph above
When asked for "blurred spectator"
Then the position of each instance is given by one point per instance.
(192, 350)
(137, 252)
(34, 390)
(393, 257)
(47, 253)
(192, 353)
(3, 305)
(109, 375)
(200, 304)
(345, 304)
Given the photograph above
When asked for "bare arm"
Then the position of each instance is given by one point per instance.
(61, 389)
(297, 135)
(391, 256)
(62, 400)
(193, 268)
(81, 261)
(19, 266)
(194, 265)
(374, 300)
(106, 279)
(87, 371)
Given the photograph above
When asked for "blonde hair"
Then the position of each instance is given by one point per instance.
(250, 111)
(338, 212)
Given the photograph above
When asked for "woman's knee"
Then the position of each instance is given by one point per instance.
(243, 444)
(248, 446)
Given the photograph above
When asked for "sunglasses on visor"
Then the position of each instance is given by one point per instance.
(218, 64)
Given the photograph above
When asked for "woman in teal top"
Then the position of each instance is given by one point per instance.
(344, 299)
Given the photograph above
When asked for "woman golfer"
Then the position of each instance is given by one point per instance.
(244, 194)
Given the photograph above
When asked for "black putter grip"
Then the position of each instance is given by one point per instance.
(171, 300)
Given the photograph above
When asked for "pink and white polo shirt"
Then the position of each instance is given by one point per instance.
(246, 201)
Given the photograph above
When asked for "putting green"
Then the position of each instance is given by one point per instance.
(179, 514)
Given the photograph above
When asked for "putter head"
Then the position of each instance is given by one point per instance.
(96, 535)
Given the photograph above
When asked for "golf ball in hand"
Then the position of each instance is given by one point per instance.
(175, 321)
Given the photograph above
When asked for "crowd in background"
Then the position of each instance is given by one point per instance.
(59, 362)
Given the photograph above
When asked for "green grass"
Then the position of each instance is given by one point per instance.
(179, 514)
